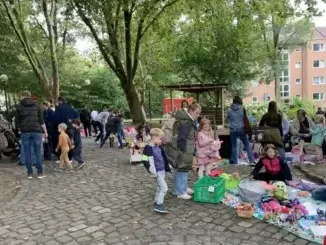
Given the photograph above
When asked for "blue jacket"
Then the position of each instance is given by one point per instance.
(48, 116)
(63, 114)
(235, 117)
(148, 151)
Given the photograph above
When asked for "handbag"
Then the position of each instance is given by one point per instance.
(246, 123)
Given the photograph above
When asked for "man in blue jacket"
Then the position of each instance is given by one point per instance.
(48, 116)
(64, 113)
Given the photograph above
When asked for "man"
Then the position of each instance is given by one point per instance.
(64, 113)
(85, 119)
(48, 116)
(113, 126)
(94, 114)
(100, 123)
(29, 121)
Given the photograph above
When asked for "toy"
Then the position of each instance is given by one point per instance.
(292, 217)
(281, 192)
(303, 193)
(299, 208)
(271, 206)
(216, 172)
(271, 216)
(214, 148)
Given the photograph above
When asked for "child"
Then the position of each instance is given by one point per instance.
(156, 163)
(64, 145)
(275, 168)
(317, 132)
(77, 146)
(206, 147)
(142, 132)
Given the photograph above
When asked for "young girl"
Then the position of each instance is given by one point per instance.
(317, 132)
(206, 147)
(275, 168)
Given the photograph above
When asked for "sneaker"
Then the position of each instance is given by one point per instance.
(190, 191)
(41, 176)
(252, 164)
(185, 196)
(160, 209)
(81, 165)
(30, 176)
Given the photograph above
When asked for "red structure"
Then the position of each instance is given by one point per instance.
(174, 104)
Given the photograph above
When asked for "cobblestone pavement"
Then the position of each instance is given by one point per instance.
(110, 202)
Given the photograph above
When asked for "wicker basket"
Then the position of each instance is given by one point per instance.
(245, 214)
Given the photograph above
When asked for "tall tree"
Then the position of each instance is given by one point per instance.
(32, 20)
(283, 25)
(118, 27)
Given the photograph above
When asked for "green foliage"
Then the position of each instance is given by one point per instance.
(296, 104)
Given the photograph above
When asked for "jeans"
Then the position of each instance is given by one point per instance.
(281, 152)
(162, 187)
(123, 133)
(100, 126)
(32, 142)
(120, 137)
(240, 133)
(180, 183)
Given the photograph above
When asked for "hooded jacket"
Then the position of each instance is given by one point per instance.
(235, 117)
(29, 116)
(63, 114)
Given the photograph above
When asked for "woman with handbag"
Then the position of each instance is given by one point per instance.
(239, 129)
(273, 134)
(180, 149)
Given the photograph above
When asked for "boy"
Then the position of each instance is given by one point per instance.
(77, 146)
(156, 163)
(64, 145)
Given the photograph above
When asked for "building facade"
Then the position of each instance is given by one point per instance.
(304, 75)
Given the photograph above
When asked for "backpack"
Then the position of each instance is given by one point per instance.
(168, 130)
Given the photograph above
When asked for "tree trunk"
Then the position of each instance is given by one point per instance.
(136, 109)
(277, 89)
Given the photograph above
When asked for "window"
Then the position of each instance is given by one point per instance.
(318, 47)
(297, 80)
(298, 96)
(297, 64)
(284, 75)
(254, 100)
(318, 96)
(319, 63)
(285, 57)
(318, 80)
(298, 49)
(285, 90)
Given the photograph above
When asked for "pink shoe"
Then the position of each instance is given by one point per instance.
(190, 191)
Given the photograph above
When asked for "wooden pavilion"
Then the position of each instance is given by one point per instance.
(215, 112)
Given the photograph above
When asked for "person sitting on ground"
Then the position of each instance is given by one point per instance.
(276, 169)
(273, 134)
(301, 126)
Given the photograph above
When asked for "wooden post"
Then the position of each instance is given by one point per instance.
(171, 100)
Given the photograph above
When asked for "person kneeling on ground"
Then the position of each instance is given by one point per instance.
(276, 169)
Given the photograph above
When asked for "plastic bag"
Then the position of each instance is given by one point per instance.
(251, 191)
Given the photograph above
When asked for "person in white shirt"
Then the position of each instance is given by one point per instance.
(94, 114)
(101, 121)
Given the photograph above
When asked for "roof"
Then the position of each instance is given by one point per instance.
(319, 33)
(196, 88)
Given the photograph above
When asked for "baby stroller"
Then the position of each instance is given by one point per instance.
(11, 146)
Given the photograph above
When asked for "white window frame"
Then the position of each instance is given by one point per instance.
(320, 45)
(254, 102)
(298, 79)
(298, 96)
(313, 63)
(283, 91)
(323, 95)
(297, 65)
(320, 82)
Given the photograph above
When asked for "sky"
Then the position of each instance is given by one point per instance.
(85, 45)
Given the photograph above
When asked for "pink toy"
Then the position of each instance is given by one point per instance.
(301, 209)
(272, 206)
(214, 148)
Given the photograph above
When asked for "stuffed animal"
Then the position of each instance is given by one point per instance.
(214, 151)
(281, 191)
(271, 206)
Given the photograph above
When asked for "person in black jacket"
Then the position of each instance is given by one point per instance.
(85, 118)
(113, 126)
(29, 120)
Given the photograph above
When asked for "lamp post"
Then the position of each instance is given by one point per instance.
(87, 82)
(4, 80)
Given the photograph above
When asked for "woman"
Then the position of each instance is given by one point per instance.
(235, 118)
(184, 104)
(274, 133)
(181, 149)
(301, 126)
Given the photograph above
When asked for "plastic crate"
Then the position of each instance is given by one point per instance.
(209, 190)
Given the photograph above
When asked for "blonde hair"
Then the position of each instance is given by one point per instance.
(26, 94)
(62, 126)
(203, 122)
(319, 119)
(194, 106)
(156, 132)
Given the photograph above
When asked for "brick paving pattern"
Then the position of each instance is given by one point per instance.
(110, 202)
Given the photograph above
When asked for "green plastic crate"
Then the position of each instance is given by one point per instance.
(209, 190)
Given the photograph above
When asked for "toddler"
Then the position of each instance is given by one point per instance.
(156, 163)
(206, 147)
(77, 143)
(64, 145)
(276, 169)
(317, 132)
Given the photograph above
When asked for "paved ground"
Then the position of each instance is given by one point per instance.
(110, 202)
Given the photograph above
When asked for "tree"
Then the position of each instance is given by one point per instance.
(283, 25)
(118, 28)
(40, 19)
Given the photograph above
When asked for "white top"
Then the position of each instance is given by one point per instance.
(103, 117)
(94, 115)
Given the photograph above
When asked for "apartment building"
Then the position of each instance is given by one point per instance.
(304, 75)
